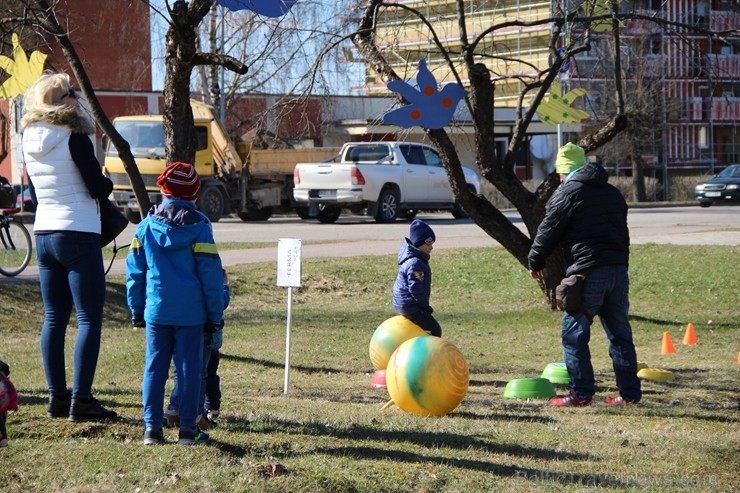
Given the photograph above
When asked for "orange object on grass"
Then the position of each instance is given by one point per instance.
(689, 338)
(667, 345)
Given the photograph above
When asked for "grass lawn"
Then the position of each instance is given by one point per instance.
(329, 434)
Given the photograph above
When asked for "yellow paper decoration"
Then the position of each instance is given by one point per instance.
(556, 108)
(23, 71)
(602, 7)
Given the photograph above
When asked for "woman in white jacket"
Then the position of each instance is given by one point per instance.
(66, 181)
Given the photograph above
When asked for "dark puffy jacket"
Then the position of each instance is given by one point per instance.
(588, 217)
(413, 284)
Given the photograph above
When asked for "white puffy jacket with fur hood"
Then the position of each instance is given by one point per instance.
(65, 175)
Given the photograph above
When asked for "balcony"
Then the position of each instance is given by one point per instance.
(723, 67)
(724, 21)
(636, 27)
(724, 109)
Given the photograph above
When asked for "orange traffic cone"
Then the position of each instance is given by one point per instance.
(689, 338)
(667, 346)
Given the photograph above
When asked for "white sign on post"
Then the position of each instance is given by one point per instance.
(289, 263)
(288, 275)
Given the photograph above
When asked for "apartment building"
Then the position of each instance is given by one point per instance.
(699, 99)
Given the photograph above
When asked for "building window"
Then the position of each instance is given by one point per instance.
(703, 140)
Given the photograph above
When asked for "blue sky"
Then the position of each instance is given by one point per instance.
(306, 16)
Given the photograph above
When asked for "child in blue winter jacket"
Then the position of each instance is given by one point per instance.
(175, 289)
(413, 284)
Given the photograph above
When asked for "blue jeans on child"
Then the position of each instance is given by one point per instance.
(163, 342)
(71, 273)
(211, 345)
(213, 383)
(606, 294)
(426, 321)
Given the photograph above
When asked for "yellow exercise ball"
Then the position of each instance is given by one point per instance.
(427, 376)
(388, 336)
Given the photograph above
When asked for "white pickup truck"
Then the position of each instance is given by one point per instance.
(385, 180)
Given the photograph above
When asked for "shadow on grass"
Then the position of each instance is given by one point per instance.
(490, 383)
(273, 364)
(368, 453)
(418, 438)
(524, 418)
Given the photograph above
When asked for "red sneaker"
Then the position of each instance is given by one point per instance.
(570, 400)
(618, 401)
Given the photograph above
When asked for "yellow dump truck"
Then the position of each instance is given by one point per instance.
(235, 178)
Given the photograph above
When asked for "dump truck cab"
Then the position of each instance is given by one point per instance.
(145, 135)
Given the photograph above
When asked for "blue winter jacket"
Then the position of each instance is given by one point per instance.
(173, 271)
(414, 281)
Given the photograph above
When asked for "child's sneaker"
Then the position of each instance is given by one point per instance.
(204, 423)
(618, 401)
(171, 418)
(570, 400)
(189, 437)
(153, 437)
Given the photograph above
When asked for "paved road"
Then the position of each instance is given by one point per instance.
(358, 235)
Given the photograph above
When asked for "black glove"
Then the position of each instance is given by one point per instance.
(428, 309)
(138, 321)
(210, 327)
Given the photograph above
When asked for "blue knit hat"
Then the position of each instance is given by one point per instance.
(421, 233)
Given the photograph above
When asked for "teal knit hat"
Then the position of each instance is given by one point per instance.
(570, 158)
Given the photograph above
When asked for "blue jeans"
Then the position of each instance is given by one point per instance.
(426, 321)
(71, 273)
(210, 353)
(213, 382)
(606, 294)
(163, 342)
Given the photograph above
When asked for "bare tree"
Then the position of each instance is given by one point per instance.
(474, 50)
(644, 107)
(41, 18)
(279, 53)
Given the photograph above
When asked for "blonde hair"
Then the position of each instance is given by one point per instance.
(43, 101)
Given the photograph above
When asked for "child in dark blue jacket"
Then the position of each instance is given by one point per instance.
(413, 285)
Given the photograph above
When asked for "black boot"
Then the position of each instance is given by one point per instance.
(59, 406)
(89, 409)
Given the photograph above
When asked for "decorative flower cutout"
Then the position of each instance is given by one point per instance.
(23, 71)
(427, 107)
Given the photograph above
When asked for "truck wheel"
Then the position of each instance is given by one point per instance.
(408, 214)
(256, 214)
(328, 213)
(302, 212)
(133, 216)
(387, 206)
(458, 212)
(212, 203)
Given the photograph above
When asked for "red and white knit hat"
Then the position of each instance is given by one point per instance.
(180, 181)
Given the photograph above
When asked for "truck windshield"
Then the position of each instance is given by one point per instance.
(145, 138)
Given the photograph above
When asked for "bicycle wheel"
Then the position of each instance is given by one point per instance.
(15, 248)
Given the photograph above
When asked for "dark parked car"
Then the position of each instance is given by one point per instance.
(25, 197)
(725, 187)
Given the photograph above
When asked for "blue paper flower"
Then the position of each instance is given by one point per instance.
(269, 8)
(427, 107)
